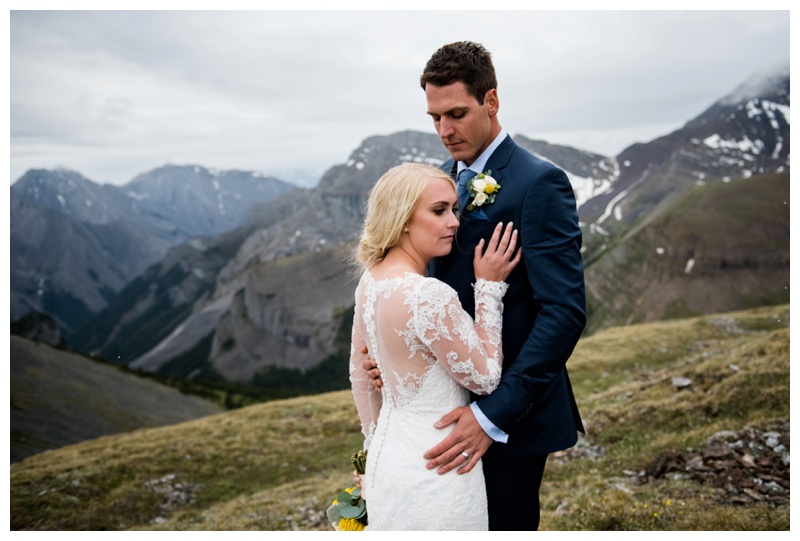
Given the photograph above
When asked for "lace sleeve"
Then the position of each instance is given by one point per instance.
(471, 351)
(367, 398)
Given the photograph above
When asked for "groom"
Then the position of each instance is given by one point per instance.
(533, 411)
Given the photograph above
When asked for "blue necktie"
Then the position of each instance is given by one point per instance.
(463, 195)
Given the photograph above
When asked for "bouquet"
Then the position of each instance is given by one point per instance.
(348, 512)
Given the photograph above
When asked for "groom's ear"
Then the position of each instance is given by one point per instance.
(491, 102)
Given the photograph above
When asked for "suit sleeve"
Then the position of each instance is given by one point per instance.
(551, 240)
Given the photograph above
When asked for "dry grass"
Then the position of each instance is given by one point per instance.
(275, 466)
(739, 368)
(275, 458)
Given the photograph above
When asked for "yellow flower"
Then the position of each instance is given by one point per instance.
(489, 189)
(349, 525)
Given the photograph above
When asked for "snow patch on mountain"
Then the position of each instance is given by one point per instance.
(743, 145)
(586, 187)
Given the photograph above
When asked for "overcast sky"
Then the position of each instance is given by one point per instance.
(112, 94)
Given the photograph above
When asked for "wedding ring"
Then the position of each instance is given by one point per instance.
(465, 455)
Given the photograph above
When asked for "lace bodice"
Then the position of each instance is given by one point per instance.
(419, 335)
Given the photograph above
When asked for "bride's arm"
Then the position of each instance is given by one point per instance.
(471, 351)
(367, 398)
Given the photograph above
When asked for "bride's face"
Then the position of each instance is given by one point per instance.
(433, 224)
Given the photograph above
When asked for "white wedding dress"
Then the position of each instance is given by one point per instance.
(431, 354)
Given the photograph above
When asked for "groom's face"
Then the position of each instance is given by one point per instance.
(464, 125)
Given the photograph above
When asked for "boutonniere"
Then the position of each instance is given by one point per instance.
(483, 189)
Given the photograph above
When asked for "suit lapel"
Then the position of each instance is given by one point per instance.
(454, 170)
(498, 161)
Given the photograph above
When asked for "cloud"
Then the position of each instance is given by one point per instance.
(115, 93)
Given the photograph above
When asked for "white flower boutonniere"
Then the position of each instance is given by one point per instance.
(483, 189)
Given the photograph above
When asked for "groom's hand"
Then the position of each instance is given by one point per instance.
(371, 368)
(467, 437)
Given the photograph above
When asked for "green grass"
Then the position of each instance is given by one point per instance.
(736, 233)
(276, 466)
(739, 366)
(117, 482)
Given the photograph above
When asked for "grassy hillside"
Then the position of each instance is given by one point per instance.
(721, 247)
(275, 466)
(59, 398)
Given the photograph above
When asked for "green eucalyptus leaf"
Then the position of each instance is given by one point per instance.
(334, 513)
(353, 512)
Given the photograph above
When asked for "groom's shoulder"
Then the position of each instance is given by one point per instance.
(520, 154)
(523, 159)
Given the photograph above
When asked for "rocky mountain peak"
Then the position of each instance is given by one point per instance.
(204, 201)
(68, 192)
(744, 134)
(769, 83)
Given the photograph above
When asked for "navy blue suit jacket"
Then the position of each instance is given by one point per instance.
(544, 308)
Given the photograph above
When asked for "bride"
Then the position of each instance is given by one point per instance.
(430, 352)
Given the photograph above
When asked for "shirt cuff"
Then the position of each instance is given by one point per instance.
(491, 430)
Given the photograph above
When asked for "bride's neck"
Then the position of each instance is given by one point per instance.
(399, 259)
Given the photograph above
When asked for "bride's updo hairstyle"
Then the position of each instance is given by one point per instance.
(391, 203)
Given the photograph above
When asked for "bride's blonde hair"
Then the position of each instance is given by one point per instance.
(391, 203)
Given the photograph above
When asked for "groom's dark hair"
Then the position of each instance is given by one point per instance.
(463, 61)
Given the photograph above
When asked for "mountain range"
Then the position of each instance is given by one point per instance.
(271, 291)
(745, 133)
(75, 243)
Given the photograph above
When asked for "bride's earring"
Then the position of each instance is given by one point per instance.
(405, 230)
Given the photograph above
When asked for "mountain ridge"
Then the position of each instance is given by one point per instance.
(339, 198)
(150, 318)
(730, 139)
(125, 229)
